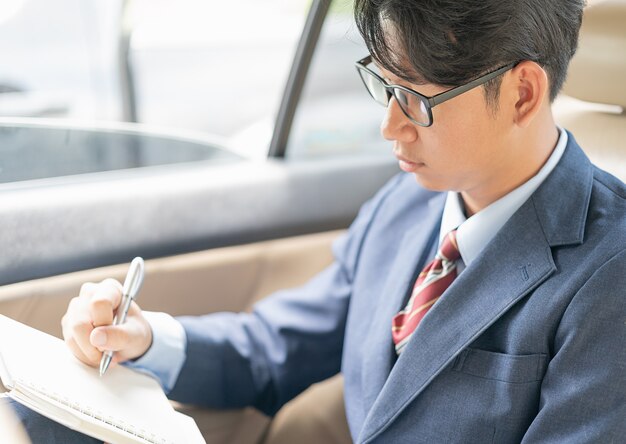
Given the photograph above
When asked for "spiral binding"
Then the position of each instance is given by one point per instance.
(97, 414)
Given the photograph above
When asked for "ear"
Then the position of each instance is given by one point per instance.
(530, 87)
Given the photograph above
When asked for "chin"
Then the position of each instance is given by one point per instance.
(431, 184)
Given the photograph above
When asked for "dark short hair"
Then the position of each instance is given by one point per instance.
(451, 42)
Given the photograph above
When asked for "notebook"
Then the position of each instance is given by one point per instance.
(124, 406)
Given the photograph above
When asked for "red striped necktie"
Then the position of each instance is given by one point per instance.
(428, 288)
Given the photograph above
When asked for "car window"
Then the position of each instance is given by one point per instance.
(204, 70)
(212, 65)
(30, 151)
(57, 59)
(336, 116)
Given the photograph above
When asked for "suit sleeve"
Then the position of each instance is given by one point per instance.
(291, 339)
(583, 394)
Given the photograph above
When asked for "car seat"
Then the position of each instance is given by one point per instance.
(593, 102)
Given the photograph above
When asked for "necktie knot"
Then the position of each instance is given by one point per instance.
(449, 249)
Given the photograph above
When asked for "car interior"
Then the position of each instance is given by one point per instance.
(238, 265)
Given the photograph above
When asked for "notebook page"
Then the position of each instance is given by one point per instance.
(45, 363)
(76, 420)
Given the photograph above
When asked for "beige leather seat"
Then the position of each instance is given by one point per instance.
(594, 97)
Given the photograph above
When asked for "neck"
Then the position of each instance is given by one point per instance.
(529, 152)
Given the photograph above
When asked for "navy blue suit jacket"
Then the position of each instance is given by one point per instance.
(527, 345)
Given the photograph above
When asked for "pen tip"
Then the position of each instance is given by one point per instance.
(104, 364)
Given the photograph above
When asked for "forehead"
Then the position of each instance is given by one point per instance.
(409, 79)
(390, 59)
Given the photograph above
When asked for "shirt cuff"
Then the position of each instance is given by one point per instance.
(166, 356)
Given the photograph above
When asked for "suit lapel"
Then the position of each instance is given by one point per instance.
(414, 250)
(476, 299)
(488, 288)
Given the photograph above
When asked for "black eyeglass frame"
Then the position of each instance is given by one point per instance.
(432, 101)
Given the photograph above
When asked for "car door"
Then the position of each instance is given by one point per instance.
(222, 220)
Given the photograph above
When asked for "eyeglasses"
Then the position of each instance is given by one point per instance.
(417, 107)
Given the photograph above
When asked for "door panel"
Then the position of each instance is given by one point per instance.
(91, 221)
(222, 279)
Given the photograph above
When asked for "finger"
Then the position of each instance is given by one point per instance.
(81, 333)
(76, 326)
(87, 289)
(104, 301)
(75, 305)
(77, 352)
(84, 352)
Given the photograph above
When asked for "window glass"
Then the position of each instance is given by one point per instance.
(32, 151)
(200, 67)
(213, 65)
(336, 115)
(57, 59)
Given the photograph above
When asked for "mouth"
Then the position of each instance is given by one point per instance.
(407, 165)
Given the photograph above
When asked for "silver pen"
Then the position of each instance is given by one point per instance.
(132, 284)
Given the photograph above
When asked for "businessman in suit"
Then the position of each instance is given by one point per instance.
(480, 296)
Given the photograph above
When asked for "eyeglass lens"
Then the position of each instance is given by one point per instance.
(412, 105)
(375, 88)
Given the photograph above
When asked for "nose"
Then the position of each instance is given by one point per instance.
(396, 125)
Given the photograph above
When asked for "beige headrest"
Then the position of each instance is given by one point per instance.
(598, 70)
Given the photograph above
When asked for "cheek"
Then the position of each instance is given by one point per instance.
(467, 116)
(465, 127)
(457, 157)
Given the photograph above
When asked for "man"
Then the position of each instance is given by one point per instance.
(515, 332)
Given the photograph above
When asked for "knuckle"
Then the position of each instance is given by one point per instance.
(106, 294)
(100, 302)
(86, 289)
(73, 304)
(112, 283)
(81, 327)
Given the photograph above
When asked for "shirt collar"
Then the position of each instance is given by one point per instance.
(474, 234)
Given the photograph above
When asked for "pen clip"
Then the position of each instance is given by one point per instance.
(134, 278)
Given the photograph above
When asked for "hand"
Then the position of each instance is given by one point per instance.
(88, 330)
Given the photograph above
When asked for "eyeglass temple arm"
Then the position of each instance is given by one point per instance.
(447, 95)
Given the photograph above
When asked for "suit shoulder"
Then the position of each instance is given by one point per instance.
(609, 183)
(607, 211)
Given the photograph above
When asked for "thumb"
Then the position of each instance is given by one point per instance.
(111, 337)
(131, 339)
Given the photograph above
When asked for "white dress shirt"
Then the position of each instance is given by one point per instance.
(474, 234)
(166, 356)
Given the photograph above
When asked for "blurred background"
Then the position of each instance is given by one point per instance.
(205, 66)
